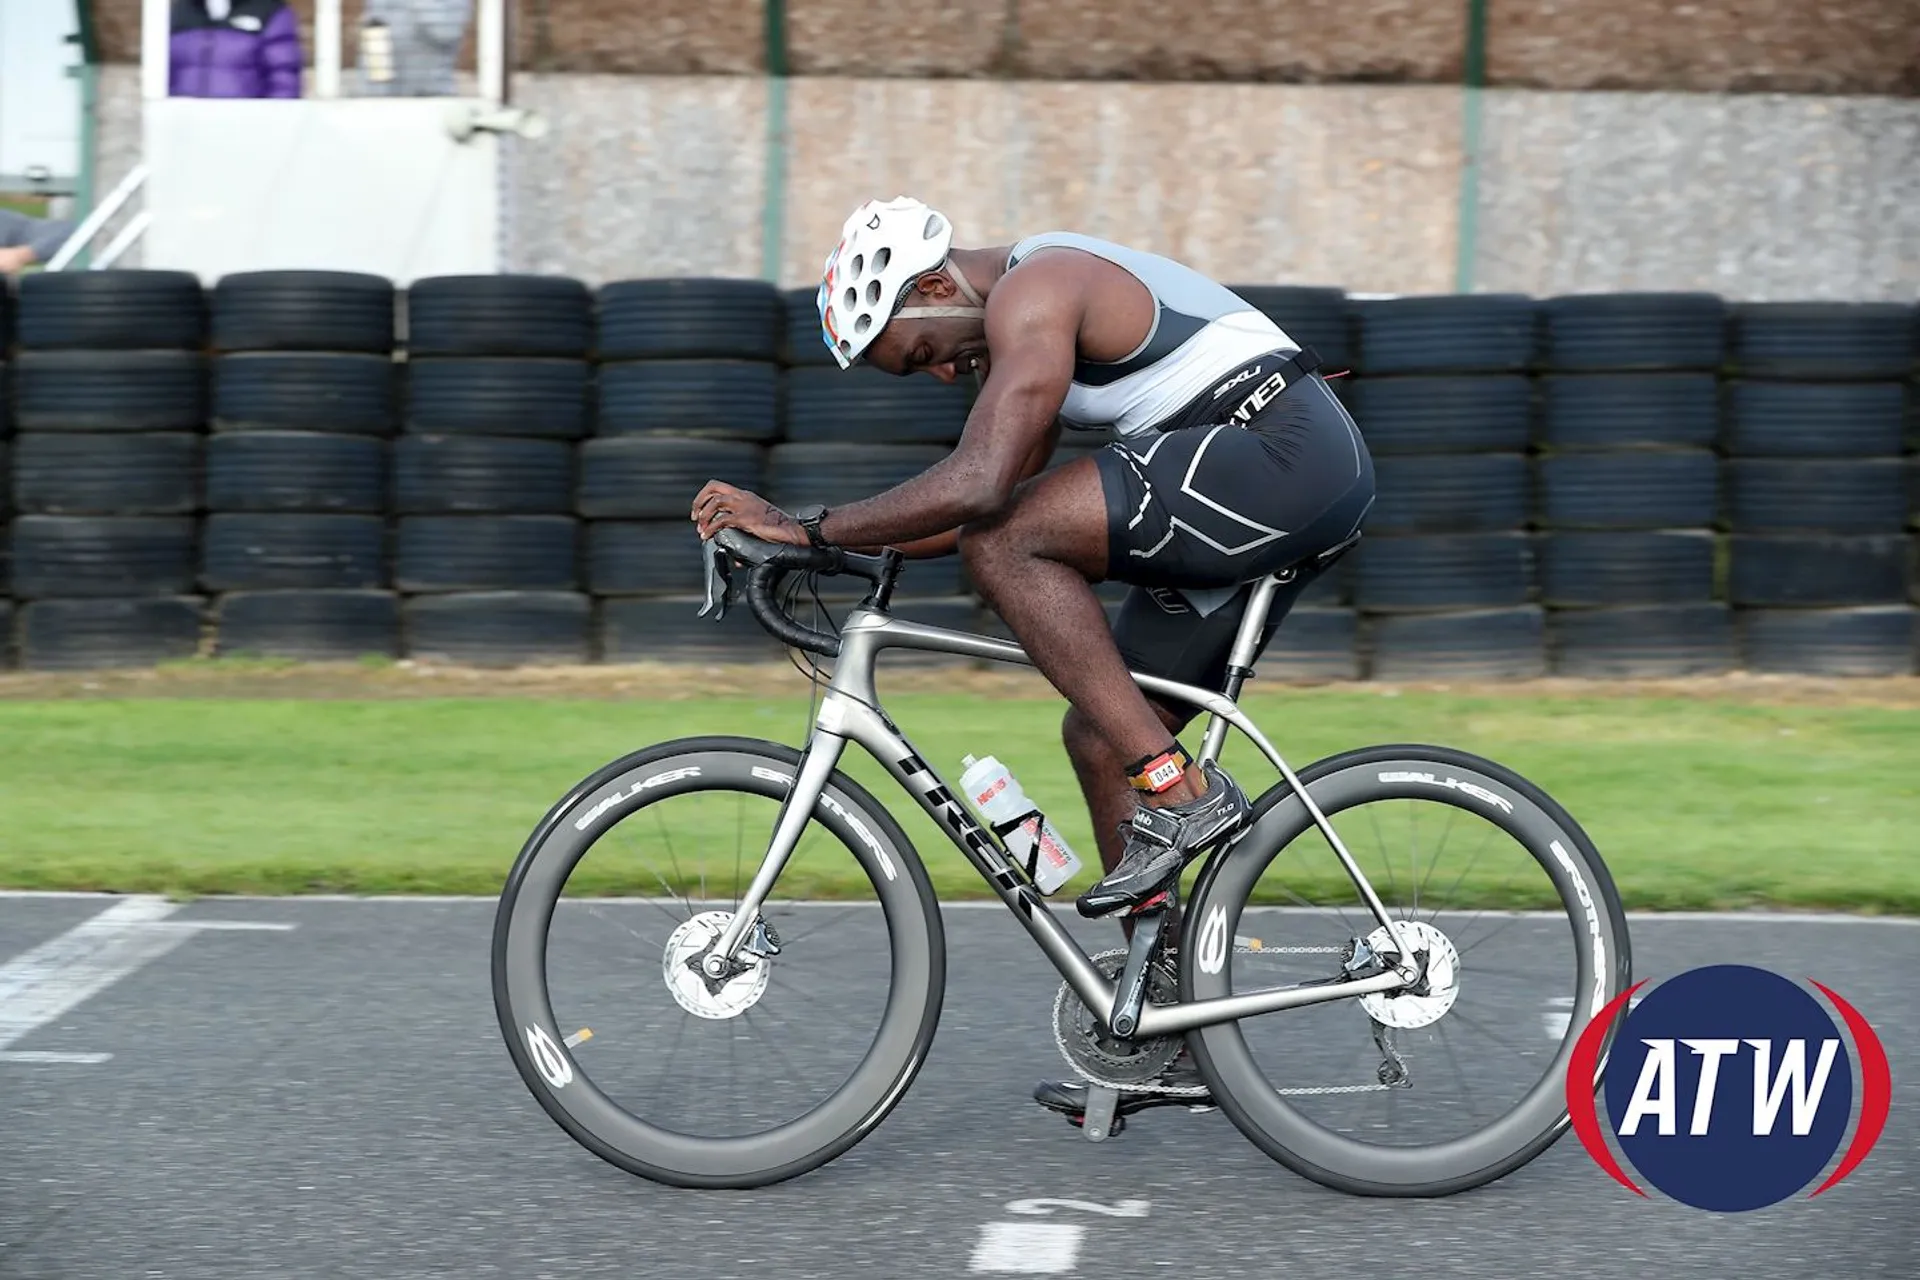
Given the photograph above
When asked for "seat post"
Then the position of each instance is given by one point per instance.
(1246, 642)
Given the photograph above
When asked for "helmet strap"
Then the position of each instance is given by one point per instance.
(975, 312)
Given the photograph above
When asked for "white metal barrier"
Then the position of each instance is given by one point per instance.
(398, 186)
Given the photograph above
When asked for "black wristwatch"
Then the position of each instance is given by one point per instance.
(810, 517)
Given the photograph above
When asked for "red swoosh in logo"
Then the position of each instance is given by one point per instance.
(1876, 1089)
(1581, 1087)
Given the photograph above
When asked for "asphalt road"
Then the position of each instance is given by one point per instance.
(332, 1099)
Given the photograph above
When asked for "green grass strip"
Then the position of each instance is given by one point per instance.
(1694, 803)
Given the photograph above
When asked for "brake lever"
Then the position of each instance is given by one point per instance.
(718, 565)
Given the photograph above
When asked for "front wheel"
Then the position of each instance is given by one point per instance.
(1520, 934)
(777, 1069)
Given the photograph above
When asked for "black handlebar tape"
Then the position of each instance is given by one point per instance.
(760, 588)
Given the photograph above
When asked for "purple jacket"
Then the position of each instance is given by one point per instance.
(254, 52)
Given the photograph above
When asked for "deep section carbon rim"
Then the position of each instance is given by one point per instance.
(1520, 933)
(776, 1070)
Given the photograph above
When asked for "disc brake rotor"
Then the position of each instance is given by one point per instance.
(1091, 1052)
(728, 998)
(1442, 969)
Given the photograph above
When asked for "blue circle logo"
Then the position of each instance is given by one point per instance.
(1730, 1088)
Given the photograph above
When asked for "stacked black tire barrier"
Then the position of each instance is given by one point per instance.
(1442, 581)
(109, 406)
(295, 535)
(689, 391)
(498, 470)
(1629, 485)
(1821, 558)
(486, 539)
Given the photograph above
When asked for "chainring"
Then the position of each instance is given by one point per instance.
(1120, 1064)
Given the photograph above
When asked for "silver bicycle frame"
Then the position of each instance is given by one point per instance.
(851, 712)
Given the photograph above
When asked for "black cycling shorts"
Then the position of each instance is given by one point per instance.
(1196, 512)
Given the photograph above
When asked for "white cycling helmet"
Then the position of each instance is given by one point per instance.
(884, 247)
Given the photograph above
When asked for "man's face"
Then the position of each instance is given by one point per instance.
(947, 348)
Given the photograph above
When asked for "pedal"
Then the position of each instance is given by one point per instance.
(1098, 1119)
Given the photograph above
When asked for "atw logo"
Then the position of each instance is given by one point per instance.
(1730, 1088)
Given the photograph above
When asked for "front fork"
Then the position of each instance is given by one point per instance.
(817, 762)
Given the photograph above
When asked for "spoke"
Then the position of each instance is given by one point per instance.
(1314, 906)
(1393, 889)
(1434, 861)
(838, 915)
(801, 993)
(678, 875)
(1446, 1042)
(1461, 878)
(739, 839)
(1510, 921)
(1483, 1029)
(594, 911)
(773, 1041)
(666, 1067)
(1413, 856)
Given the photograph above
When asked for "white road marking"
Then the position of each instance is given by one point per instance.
(1558, 1017)
(1559, 1014)
(42, 983)
(1043, 1248)
(218, 925)
(1028, 1248)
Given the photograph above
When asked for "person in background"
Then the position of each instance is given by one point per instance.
(409, 48)
(27, 241)
(234, 49)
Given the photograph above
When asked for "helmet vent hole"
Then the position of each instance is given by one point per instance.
(864, 323)
(851, 298)
(859, 264)
(873, 293)
(932, 228)
(881, 257)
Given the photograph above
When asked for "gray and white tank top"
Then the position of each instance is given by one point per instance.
(1201, 332)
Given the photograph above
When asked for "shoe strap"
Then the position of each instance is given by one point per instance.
(1158, 826)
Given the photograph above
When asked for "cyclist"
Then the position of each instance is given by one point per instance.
(1232, 459)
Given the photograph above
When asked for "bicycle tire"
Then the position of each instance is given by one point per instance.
(1547, 831)
(916, 991)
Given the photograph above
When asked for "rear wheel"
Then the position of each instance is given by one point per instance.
(1521, 938)
(770, 1073)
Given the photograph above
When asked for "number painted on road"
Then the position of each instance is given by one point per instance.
(1044, 1205)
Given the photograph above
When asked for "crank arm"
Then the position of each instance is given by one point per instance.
(1130, 993)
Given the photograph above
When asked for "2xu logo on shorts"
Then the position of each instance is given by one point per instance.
(1730, 1088)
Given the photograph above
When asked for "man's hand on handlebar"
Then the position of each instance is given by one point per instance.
(723, 506)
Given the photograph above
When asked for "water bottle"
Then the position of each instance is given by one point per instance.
(1032, 840)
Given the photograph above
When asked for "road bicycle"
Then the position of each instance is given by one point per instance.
(1388, 986)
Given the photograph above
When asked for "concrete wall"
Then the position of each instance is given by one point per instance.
(1829, 46)
(1354, 185)
(1749, 196)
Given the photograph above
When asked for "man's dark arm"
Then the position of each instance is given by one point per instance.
(1032, 329)
(945, 544)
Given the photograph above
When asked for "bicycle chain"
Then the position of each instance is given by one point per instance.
(1061, 1012)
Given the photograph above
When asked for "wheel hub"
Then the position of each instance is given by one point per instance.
(1440, 974)
(704, 997)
